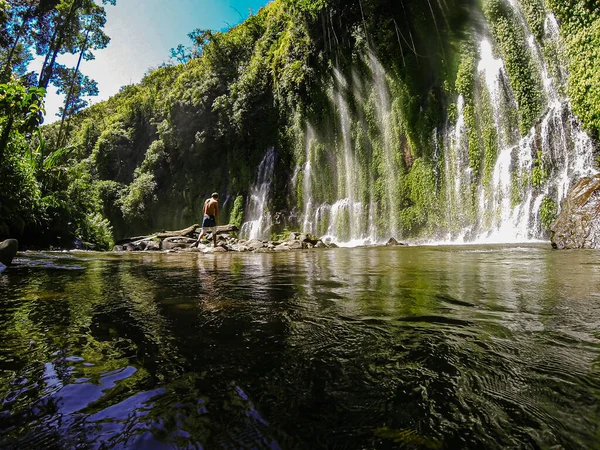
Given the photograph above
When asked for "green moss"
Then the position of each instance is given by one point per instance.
(539, 172)
(465, 86)
(548, 212)
(525, 80)
(518, 182)
(419, 185)
(580, 28)
(237, 212)
(535, 15)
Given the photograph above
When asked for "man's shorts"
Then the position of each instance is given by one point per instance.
(209, 224)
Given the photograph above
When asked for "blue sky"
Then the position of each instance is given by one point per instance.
(142, 33)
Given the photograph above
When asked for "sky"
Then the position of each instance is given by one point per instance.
(142, 34)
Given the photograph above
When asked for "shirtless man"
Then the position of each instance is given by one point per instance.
(211, 218)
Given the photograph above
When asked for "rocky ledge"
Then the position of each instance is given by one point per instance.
(8, 250)
(578, 225)
(227, 240)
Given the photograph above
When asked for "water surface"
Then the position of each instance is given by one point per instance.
(416, 347)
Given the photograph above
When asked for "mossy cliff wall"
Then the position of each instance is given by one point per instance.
(439, 120)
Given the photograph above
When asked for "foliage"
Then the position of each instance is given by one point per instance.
(548, 212)
(237, 213)
(535, 14)
(523, 74)
(539, 172)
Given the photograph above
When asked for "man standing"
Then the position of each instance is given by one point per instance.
(211, 218)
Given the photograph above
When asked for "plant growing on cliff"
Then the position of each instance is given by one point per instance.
(511, 43)
(237, 212)
(548, 212)
(580, 31)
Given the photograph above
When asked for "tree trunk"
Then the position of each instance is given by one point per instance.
(55, 46)
(71, 88)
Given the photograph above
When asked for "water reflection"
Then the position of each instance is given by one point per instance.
(432, 347)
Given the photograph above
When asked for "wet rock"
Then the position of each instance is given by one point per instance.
(177, 242)
(8, 250)
(320, 244)
(255, 244)
(292, 237)
(391, 242)
(117, 248)
(295, 245)
(130, 248)
(578, 225)
(332, 245)
(309, 238)
(152, 246)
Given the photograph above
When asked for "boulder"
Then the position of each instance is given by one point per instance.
(152, 246)
(292, 237)
(255, 244)
(295, 245)
(578, 224)
(332, 245)
(309, 238)
(320, 244)
(391, 242)
(177, 242)
(8, 250)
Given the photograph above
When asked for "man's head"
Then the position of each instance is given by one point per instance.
(215, 195)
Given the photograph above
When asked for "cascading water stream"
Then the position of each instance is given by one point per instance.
(353, 177)
(258, 219)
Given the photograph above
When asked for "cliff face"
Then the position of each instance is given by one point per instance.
(358, 120)
(578, 225)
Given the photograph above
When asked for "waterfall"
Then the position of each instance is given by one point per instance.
(258, 217)
(556, 144)
(357, 168)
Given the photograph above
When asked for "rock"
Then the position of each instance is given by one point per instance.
(8, 250)
(255, 244)
(292, 237)
(295, 245)
(578, 225)
(391, 242)
(310, 238)
(320, 244)
(117, 248)
(177, 242)
(152, 246)
(332, 245)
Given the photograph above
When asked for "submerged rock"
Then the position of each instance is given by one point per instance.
(8, 250)
(578, 225)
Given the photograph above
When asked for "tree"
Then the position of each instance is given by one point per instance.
(64, 33)
(21, 109)
(90, 38)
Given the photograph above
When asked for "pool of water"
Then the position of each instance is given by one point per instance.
(364, 348)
